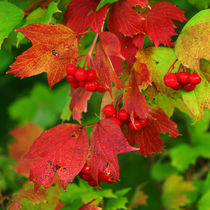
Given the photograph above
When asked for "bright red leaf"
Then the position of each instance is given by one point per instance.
(158, 25)
(148, 138)
(133, 99)
(53, 48)
(123, 17)
(106, 142)
(81, 13)
(79, 102)
(62, 149)
(25, 136)
(108, 46)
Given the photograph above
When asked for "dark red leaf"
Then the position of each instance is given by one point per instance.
(62, 149)
(107, 141)
(81, 13)
(148, 138)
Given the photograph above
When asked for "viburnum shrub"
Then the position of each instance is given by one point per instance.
(128, 74)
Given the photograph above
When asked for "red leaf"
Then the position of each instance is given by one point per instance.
(107, 141)
(158, 25)
(123, 17)
(148, 138)
(62, 149)
(108, 45)
(25, 136)
(79, 102)
(81, 13)
(53, 48)
(133, 99)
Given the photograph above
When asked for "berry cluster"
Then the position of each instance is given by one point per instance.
(79, 77)
(102, 176)
(182, 79)
(122, 117)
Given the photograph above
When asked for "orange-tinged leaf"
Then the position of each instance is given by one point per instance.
(193, 42)
(25, 136)
(106, 142)
(62, 149)
(133, 99)
(53, 48)
(79, 100)
(148, 138)
(89, 206)
(108, 45)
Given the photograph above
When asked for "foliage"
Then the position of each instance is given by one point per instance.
(49, 134)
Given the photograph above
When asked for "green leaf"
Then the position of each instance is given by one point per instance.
(39, 16)
(201, 4)
(42, 106)
(161, 171)
(174, 189)
(104, 2)
(85, 193)
(10, 16)
(66, 113)
(119, 202)
(204, 202)
(6, 60)
(193, 42)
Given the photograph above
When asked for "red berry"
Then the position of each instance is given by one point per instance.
(92, 183)
(103, 177)
(135, 116)
(81, 74)
(91, 86)
(144, 122)
(70, 78)
(74, 84)
(100, 88)
(183, 77)
(189, 87)
(111, 181)
(170, 80)
(81, 83)
(91, 75)
(86, 169)
(194, 79)
(178, 86)
(71, 69)
(136, 126)
(122, 115)
(85, 177)
(109, 110)
(116, 120)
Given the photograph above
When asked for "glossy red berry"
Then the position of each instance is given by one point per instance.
(71, 69)
(74, 84)
(81, 83)
(81, 74)
(178, 86)
(100, 88)
(103, 177)
(116, 120)
(91, 75)
(109, 110)
(194, 79)
(183, 77)
(189, 87)
(170, 80)
(92, 183)
(91, 86)
(70, 78)
(136, 126)
(86, 169)
(122, 115)
(85, 177)
(135, 116)
(144, 122)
